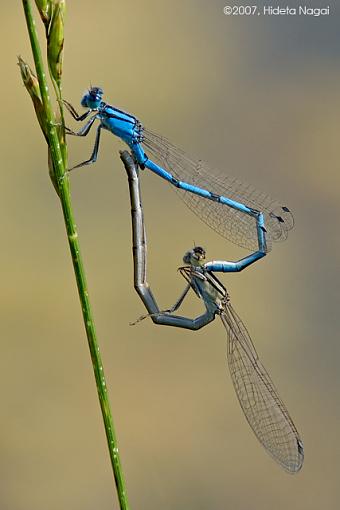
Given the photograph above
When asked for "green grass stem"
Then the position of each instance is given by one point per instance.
(63, 186)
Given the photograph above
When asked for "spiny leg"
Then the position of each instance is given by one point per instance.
(167, 311)
(73, 112)
(84, 130)
(94, 154)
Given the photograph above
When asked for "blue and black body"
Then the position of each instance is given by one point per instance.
(180, 167)
(130, 130)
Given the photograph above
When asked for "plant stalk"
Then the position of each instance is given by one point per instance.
(65, 199)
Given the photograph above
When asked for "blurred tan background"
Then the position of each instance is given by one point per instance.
(256, 97)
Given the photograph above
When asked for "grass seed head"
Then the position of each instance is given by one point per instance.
(55, 40)
(45, 11)
(32, 86)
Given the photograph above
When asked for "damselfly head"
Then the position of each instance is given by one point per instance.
(92, 98)
(194, 256)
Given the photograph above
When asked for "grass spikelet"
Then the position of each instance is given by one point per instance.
(55, 41)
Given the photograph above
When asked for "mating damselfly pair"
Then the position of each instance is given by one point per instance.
(237, 211)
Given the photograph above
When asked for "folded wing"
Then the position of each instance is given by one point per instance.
(263, 408)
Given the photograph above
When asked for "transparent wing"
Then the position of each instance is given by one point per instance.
(262, 406)
(231, 224)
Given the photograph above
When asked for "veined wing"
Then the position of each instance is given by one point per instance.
(265, 412)
(234, 225)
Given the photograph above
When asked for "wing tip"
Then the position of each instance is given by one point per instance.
(294, 466)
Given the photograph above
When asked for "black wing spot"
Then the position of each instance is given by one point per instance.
(278, 218)
(300, 446)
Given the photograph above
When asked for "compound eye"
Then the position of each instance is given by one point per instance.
(85, 100)
(96, 93)
(187, 257)
(198, 250)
